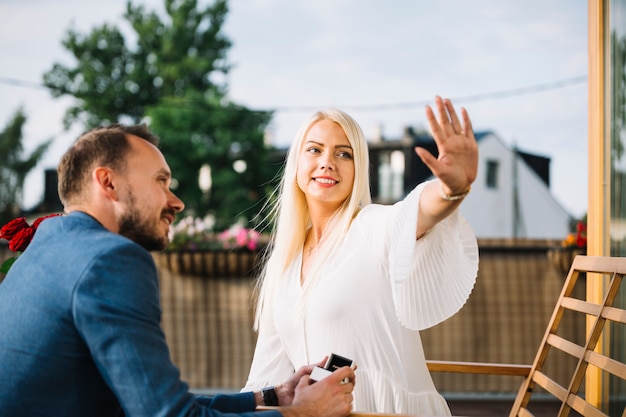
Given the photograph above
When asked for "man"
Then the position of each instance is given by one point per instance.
(80, 327)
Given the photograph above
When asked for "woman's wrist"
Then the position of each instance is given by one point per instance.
(449, 195)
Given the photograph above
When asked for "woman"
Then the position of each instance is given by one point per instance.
(360, 279)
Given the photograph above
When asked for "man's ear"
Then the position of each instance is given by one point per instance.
(105, 181)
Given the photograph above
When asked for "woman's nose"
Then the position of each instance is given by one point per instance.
(327, 162)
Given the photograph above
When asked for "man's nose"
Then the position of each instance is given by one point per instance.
(176, 203)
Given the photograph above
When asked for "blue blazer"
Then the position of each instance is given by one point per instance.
(80, 331)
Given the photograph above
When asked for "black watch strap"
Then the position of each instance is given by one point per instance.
(269, 396)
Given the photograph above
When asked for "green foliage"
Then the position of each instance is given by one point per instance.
(196, 131)
(6, 265)
(171, 73)
(114, 82)
(14, 165)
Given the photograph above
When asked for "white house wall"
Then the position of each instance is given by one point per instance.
(491, 211)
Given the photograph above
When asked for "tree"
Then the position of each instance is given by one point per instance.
(114, 82)
(15, 166)
(172, 73)
(222, 136)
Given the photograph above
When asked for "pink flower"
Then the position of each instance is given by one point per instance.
(241, 237)
(253, 237)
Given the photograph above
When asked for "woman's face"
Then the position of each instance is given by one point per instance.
(326, 165)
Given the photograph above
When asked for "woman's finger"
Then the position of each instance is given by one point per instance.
(444, 117)
(456, 124)
(468, 130)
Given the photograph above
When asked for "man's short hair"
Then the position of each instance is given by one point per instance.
(102, 146)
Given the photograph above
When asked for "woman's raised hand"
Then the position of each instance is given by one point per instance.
(457, 163)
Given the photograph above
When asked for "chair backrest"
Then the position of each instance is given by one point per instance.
(608, 365)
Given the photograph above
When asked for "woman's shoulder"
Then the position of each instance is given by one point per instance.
(372, 209)
(375, 211)
(372, 217)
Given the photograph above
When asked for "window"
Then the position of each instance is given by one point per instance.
(391, 176)
(492, 173)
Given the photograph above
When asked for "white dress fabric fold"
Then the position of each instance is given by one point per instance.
(373, 296)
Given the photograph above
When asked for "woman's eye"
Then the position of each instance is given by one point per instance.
(313, 150)
(345, 155)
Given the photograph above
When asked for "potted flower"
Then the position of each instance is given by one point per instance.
(575, 243)
(195, 249)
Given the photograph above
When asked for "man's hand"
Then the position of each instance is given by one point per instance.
(330, 397)
(287, 390)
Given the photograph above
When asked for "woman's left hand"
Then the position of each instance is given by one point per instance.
(457, 163)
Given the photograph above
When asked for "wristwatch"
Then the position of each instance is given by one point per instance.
(269, 396)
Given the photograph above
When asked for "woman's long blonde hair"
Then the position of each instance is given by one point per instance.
(291, 218)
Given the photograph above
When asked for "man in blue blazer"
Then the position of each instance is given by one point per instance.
(80, 317)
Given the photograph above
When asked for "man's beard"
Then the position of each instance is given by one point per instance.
(139, 231)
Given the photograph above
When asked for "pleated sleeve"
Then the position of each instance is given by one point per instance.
(432, 277)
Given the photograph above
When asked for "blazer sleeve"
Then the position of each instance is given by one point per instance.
(116, 310)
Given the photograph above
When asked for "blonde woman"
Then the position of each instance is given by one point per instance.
(360, 279)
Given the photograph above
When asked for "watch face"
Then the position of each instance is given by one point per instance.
(269, 396)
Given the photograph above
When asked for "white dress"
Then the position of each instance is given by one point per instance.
(369, 303)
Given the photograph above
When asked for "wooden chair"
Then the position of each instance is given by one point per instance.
(609, 269)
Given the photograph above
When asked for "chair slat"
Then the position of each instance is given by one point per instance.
(583, 407)
(609, 365)
(525, 413)
(616, 315)
(550, 385)
(581, 306)
(566, 346)
(600, 264)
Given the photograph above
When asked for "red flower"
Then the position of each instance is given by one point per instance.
(11, 228)
(19, 233)
(21, 239)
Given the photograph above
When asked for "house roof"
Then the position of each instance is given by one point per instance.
(538, 163)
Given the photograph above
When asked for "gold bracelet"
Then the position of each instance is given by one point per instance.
(454, 197)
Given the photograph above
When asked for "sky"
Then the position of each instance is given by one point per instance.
(519, 68)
